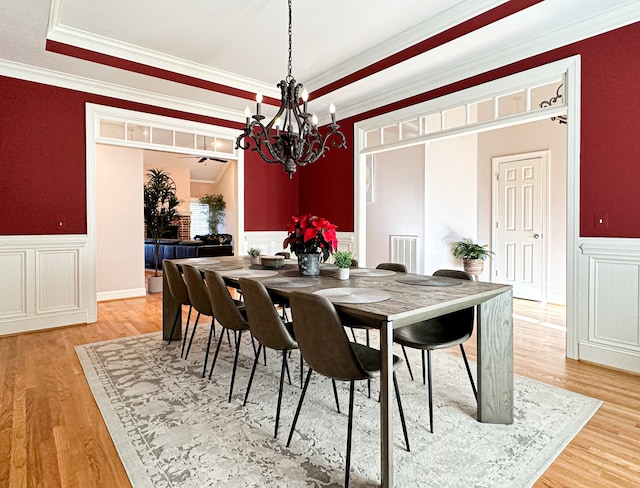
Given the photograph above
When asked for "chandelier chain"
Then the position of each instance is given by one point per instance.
(290, 31)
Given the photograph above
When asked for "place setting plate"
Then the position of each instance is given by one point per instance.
(368, 272)
(291, 282)
(354, 295)
(423, 280)
(249, 273)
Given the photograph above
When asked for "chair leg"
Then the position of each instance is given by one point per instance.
(424, 381)
(349, 435)
(284, 366)
(430, 391)
(353, 334)
(295, 417)
(186, 333)
(466, 363)
(406, 358)
(253, 370)
(193, 333)
(368, 381)
(301, 369)
(401, 411)
(335, 394)
(212, 332)
(215, 356)
(175, 322)
(235, 364)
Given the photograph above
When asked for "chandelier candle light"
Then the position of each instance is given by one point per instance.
(292, 137)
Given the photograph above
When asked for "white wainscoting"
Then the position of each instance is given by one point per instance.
(609, 297)
(271, 242)
(43, 282)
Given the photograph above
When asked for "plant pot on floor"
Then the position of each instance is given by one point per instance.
(473, 266)
(154, 284)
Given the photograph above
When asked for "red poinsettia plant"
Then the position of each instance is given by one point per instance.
(310, 234)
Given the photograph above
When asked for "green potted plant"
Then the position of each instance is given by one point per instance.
(342, 260)
(160, 209)
(472, 255)
(254, 252)
(216, 205)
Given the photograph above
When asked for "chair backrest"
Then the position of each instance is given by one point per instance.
(223, 306)
(177, 286)
(354, 263)
(287, 255)
(265, 323)
(197, 288)
(462, 316)
(400, 268)
(322, 339)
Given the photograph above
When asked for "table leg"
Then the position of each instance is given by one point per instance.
(386, 417)
(495, 359)
(169, 309)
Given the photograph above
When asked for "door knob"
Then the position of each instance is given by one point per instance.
(536, 236)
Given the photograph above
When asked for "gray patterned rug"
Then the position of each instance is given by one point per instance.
(173, 428)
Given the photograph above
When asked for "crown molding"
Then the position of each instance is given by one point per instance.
(473, 66)
(87, 85)
(75, 37)
(425, 30)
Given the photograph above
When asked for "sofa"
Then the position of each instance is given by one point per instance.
(203, 246)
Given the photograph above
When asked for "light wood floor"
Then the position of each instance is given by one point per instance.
(52, 434)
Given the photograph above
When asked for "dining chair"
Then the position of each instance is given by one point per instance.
(179, 292)
(398, 267)
(270, 330)
(326, 349)
(228, 316)
(199, 296)
(439, 333)
(286, 254)
(354, 263)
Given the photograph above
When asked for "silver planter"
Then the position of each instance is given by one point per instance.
(309, 264)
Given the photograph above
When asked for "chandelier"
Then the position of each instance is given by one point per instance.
(292, 137)
(562, 119)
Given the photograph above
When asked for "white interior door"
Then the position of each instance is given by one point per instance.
(520, 225)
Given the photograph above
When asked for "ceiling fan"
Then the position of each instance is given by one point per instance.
(202, 159)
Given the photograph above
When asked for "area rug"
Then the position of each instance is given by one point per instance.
(173, 428)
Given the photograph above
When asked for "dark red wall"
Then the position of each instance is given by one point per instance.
(270, 197)
(42, 147)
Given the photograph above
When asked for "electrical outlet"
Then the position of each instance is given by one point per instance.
(601, 221)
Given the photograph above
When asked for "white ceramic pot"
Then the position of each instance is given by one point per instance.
(154, 284)
(255, 260)
(343, 274)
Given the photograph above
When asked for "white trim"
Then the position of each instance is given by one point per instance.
(93, 114)
(106, 296)
(568, 68)
(547, 41)
(87, 85)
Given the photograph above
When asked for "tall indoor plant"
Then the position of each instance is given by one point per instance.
(312, 239)
(472, 255)
(160, 209)
(216, 205)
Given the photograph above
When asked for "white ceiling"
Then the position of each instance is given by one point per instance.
(243, 45)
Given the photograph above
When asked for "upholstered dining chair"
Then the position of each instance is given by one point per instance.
(179, 292)
(286, 254)
(326, 349)
(199, 296)
(439, 333)
(228, 316)
(398, 267)
(269, 330)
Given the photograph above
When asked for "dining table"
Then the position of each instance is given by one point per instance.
(387, 300)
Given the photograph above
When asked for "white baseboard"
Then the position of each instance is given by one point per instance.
(121, 294)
